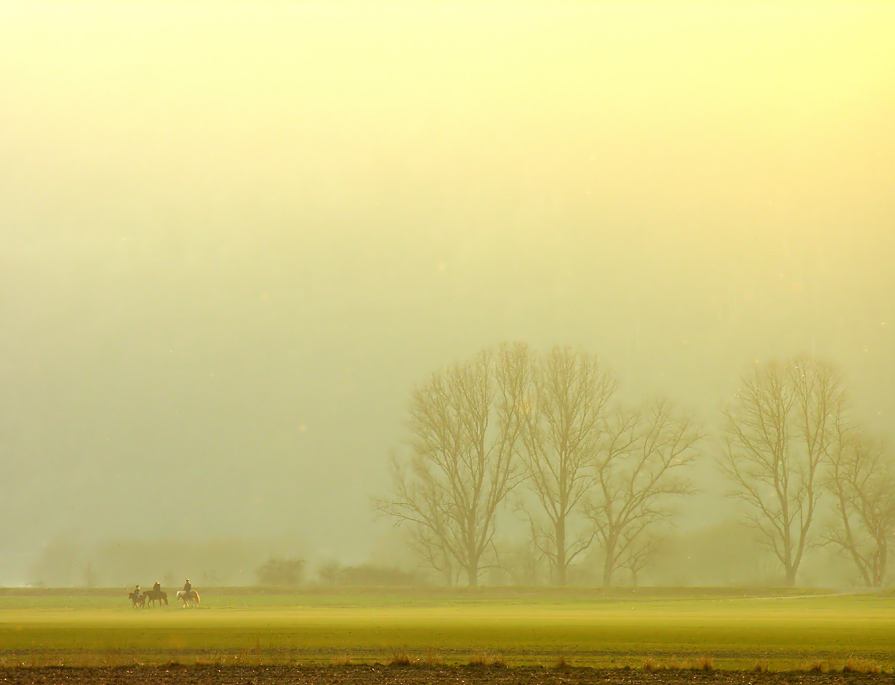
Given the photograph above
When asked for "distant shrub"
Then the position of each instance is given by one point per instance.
(330, 572)
(400, 659)
(485, 660)
(703, 664)
(432, 658)
(277, 571)
(367, 575)
(861, 666)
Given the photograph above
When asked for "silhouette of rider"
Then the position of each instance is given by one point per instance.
(187, 587)
(137, 592)
(157, 587)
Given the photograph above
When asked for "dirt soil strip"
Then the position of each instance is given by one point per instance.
(391, 675)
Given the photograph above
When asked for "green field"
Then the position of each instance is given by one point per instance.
(736, 628)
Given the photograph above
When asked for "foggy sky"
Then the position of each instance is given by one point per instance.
(233, 236)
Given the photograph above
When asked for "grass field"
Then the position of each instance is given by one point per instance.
(736, 628)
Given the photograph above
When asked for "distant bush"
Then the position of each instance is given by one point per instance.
(277, 571)
(432, 658)
(330, 572)
(705, 663)
(485, 660)
(861, 666)
(400, 659)
(368, 575)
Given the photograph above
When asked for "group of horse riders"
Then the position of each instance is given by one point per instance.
(140, 596)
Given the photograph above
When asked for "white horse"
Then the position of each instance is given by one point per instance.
(189, 599)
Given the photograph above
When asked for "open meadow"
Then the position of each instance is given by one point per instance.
(644, 629)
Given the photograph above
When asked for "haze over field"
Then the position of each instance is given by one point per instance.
(234, 236)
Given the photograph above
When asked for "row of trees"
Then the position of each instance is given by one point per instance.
(585, 469)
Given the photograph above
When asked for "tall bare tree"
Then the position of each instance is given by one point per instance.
(564, 420)
(427, 534)
(862, 481)
(465, 423)
(638, 468)
(780, 433)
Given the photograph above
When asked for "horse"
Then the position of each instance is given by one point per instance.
(137, 600)
(190, 598)
(156, 596)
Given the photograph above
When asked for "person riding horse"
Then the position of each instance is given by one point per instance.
(157, 587)
(188, 595)
(136, 598)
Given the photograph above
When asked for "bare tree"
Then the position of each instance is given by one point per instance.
(465, 425)
(428, 535)
(779, 435)
(524, 563)
(862, 481)
(640, 553)
(638, 468)
(564, 419)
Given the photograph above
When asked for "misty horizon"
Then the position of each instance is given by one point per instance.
(234, 238)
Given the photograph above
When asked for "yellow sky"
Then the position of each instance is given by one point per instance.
(232, 219)
(741, 87)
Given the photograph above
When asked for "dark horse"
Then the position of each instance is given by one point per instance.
(137, 599)
(156, 596)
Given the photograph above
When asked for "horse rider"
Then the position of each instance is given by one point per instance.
(157, 587)
(137, 592)
(187, 587)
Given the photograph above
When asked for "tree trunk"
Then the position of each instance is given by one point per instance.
(608, 564)
(561, 552)
(791, 576)
(880, 562)
(472, 571)
(788, 566)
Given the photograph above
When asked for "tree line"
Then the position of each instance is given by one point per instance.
(548, 433)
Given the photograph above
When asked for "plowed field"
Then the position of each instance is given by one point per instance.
(389, 675)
